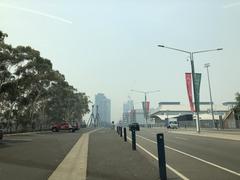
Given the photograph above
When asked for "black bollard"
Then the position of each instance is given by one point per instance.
(125, 134)
(161, 157)
(133, 140)
(120, 131)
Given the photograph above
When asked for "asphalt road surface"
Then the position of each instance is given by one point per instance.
(34, 156)
(196, 157)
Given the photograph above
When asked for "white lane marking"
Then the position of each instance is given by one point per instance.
(74, 165)
(185, 139)
(147, 139)
(168, 166)
(194, 157)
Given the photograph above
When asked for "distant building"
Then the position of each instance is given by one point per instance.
(128, 109)
(140, 117)
(104, 108)
(128, 106)
(184, 115)
(131, 115)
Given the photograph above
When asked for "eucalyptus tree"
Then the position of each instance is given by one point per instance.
(31, 92)
(35, 78)
(66, 104)
(7, 84)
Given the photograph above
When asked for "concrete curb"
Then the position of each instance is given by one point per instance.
(211, 135)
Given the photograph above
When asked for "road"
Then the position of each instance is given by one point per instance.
(195, 157)
(34, 156)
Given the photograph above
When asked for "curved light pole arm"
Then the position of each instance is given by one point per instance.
(162, 46)
(204, 51)
(148, 92)
(138, 91)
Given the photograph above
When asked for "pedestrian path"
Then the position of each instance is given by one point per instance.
(110, 158)
(212, 134)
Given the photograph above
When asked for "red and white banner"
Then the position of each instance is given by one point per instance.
(188, 77)
(147, 106)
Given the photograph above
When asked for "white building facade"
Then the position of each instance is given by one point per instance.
(185, 117)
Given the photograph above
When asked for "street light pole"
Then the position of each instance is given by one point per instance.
(195, 92)
(193, 76)
(146, 113)
(210, 93)
(145, 101)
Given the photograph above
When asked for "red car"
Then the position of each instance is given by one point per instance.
(62, 126)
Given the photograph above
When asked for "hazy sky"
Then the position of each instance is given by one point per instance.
(110, 46)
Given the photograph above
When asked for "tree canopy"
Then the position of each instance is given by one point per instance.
(32, 93)
(238, 99)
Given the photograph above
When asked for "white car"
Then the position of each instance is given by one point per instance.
(172, 125)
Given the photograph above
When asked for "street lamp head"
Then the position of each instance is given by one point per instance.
(161, 46)
(220, 49)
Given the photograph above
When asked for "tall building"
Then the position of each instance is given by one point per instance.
(128, 112)
(104, 108)
(128, 106)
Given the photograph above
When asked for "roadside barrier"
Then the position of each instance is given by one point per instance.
(120, 131)
(125, 134)
(161, 156)
(133, 140)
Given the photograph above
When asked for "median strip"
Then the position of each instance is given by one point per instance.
(74, 165)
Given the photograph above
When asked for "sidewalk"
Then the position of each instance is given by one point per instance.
(209, 133)
(110, 158)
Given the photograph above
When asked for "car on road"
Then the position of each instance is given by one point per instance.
(75, 125)
(59, 126)
(172, 123)
(134, 126)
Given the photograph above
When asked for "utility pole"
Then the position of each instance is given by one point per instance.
(207, 65)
